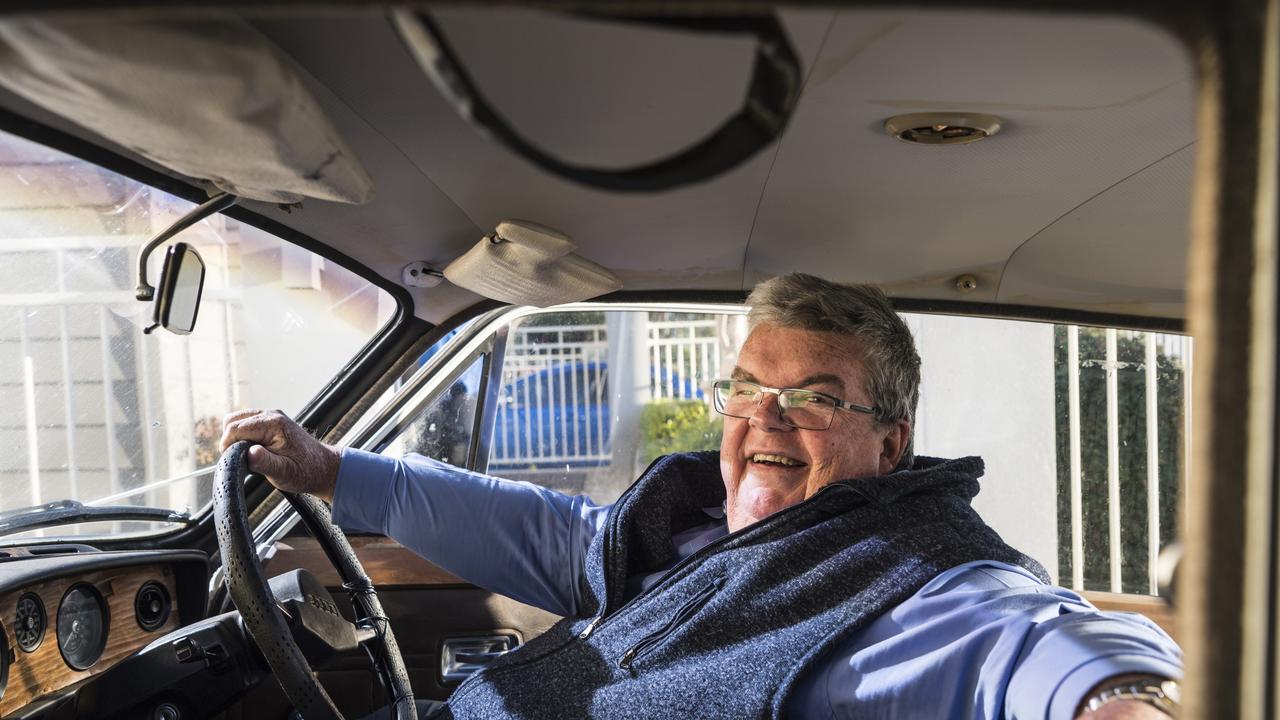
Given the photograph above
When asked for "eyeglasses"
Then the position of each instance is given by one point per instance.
(804, 409)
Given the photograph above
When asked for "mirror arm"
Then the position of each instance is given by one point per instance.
(145, 292)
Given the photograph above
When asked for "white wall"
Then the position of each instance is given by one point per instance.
(987, 389)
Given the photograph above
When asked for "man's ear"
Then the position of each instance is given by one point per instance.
(896, 437)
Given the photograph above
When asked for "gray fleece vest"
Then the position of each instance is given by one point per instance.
(728, 631)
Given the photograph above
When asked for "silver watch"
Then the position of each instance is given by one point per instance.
(1160, 693)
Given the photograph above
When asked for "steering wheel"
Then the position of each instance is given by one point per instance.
(266, 623)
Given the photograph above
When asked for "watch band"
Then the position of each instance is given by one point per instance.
(1158, 692)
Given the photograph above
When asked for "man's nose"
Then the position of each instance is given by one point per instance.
(768, 415)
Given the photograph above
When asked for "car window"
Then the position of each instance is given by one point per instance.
(588, 399)
(443, 429)
(97, 411)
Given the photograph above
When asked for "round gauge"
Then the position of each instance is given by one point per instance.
(82, 626)
(151, 606)
(30, 623)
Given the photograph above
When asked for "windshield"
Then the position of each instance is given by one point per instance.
(93, 410)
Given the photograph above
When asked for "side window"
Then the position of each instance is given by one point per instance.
(588, 399)
(1083, 431)
(443, 428)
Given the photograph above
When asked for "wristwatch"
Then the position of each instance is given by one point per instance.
(1160, 693)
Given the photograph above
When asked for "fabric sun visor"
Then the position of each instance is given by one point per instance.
(526, 264)
(245, 122)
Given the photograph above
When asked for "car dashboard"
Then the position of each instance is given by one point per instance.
(71, 612)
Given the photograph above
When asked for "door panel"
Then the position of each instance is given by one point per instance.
(426, 606)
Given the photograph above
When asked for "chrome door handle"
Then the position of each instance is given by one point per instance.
(460, 657)
(478, 658)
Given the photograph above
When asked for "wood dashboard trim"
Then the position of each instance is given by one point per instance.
(35, 674)
(385, 561)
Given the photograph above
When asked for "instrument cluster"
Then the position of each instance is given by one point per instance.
(55, 632)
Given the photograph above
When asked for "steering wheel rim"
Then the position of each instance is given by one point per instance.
(248, 588)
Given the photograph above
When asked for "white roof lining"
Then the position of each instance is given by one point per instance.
(436, 193)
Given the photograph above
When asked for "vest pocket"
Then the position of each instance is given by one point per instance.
(682, 615)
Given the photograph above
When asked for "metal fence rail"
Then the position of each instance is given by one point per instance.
(1155, 345)
(554, 406)
(685, 357)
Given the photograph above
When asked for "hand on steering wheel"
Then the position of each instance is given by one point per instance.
(247, 585)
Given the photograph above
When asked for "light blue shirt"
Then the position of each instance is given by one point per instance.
(987, 639)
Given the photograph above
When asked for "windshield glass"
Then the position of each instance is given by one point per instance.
(93, 410)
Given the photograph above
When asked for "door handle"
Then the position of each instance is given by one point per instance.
(460, 657)
(478, 658)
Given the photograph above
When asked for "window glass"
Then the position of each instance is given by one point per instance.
(443, 429)
(94, 410)
(588, 399)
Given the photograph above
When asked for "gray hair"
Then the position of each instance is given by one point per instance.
(862, 312)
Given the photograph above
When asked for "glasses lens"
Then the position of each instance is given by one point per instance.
(736, 398)
(800, 408)
(806, 409)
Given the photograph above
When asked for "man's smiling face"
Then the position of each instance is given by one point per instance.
(768, 465)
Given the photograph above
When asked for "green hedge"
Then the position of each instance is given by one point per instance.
(679, 426)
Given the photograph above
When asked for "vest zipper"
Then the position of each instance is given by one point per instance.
(683, 614)
(704, 550)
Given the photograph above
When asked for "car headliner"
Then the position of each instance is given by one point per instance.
(1080, 202)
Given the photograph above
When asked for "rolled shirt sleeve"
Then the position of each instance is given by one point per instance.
(1068, 655)
(513, 538)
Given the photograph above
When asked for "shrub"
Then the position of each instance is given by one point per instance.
(679, 426)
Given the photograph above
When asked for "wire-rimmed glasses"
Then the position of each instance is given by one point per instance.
(804, 409)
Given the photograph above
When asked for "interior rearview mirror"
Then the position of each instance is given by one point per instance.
(181, 282)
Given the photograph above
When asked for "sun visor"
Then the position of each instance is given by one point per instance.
(208, 98)
(527, 264)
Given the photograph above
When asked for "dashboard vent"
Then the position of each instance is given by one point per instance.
(151, 606)
(68, 549)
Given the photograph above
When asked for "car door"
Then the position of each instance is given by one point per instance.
(529, 395)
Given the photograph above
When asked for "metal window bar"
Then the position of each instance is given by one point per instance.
(1113, 460)
(601, 418)
(1153, 467)
(666, 371)
(1154, 346)
(557, 385)
(572, 442)
(537, 449)
(108, 402)
(1077, 493)
(148, 414)
(68, 401)
(29, 399)
(655, 354)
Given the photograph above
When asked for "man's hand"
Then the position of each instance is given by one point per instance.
(289, 456)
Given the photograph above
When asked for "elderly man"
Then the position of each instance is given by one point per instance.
(811, 568)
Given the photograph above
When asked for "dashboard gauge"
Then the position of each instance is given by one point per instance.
(30, 623)
(151, 606)
(82, 626)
